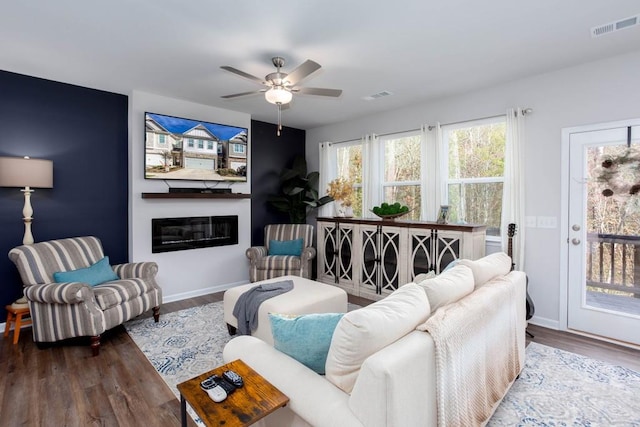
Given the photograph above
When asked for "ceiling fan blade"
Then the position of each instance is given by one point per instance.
(303, 70)
(243, 74)
(318, 91)
(236, 95)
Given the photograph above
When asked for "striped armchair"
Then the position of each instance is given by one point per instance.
(265, 266)
(74, 309)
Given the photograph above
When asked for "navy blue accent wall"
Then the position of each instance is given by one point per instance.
(269, 155)
(85, 132)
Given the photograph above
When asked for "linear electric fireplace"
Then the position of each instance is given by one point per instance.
(179, 234)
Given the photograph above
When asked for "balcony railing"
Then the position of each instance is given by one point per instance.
(613, 272)
(613, 263)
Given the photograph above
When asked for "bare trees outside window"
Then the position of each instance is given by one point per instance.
(476, 173)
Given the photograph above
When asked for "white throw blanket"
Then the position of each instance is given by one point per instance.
(477, 353)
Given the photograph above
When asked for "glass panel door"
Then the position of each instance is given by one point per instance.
(604, 233)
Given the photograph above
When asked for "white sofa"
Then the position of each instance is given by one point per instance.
(405, 380)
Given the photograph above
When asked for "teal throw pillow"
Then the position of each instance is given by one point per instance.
(451, 265)
(306, 338)
(99, 272)
(286, 247)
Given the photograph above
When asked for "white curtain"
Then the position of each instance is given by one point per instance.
(425, 183)
(513, 211)
(371, 172)
(433, 184)
(327, 173)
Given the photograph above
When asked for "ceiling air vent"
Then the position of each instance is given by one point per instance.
(378, 95)
(615, 26)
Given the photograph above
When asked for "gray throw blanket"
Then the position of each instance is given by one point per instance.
(246, 308)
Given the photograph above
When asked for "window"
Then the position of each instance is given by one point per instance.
(401, 167)
(190, 143)
(401, 171)
(238, 148)
(475, 172)
(349, 166)
(200, 144)
(162, 139)
(209, 145)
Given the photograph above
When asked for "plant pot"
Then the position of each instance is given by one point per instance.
(348, 212)
(343, 211)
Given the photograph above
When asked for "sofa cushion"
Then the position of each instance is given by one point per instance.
(306, 337)
(286, 247)
(363, 332)
(488, 267)
(448, 287)
(279, 262)
(93, 275)
(116, 292)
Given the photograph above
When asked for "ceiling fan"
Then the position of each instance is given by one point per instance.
(281, 86)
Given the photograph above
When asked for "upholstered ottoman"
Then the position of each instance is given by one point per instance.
(307, 296)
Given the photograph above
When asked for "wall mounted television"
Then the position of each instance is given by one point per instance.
(194, 150)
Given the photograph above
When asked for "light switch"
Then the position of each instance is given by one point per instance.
(530, 221)
(547, 222)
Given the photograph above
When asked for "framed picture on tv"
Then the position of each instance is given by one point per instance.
(185, 149)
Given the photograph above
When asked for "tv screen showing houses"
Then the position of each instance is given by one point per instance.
(178, 148)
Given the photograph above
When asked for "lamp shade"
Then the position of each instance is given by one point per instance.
(26, 172)
(278, 95)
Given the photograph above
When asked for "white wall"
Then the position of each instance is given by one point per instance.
(194, 272)
(602, 91)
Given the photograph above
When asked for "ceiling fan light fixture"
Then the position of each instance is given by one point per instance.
(278, 95)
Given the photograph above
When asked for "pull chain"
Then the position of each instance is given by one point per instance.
(279, 131)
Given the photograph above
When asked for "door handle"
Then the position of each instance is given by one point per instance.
(575, 241)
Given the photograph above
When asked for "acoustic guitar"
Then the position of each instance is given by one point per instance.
(511, 232)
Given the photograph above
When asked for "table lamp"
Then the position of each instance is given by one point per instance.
(27, 173)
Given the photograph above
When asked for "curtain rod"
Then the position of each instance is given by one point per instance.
(378, 134)
(525, 111)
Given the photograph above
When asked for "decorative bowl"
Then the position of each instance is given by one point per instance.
(390, 216)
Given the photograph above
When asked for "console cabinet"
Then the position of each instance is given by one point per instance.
(371, 258)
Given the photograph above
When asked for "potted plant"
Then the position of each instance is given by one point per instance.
(298, 192)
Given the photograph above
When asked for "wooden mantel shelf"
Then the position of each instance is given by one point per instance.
(195, 196)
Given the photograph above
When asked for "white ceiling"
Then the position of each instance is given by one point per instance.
(416, 49)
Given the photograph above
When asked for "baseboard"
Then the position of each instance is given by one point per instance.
(4, 325)
(545, 323)
(200, 292)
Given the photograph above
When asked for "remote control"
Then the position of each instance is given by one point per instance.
(210, 382)
(233, 378)
(227, 386)
(217, 394)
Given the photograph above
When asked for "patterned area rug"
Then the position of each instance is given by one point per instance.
(556, 388)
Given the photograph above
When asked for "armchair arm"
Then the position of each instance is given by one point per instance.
(59, 293)
(135, 270)
(254, 253)
(308, 254)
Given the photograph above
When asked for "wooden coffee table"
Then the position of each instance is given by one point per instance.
(254, 401)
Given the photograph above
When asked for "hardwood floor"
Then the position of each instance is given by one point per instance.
(64, 386)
